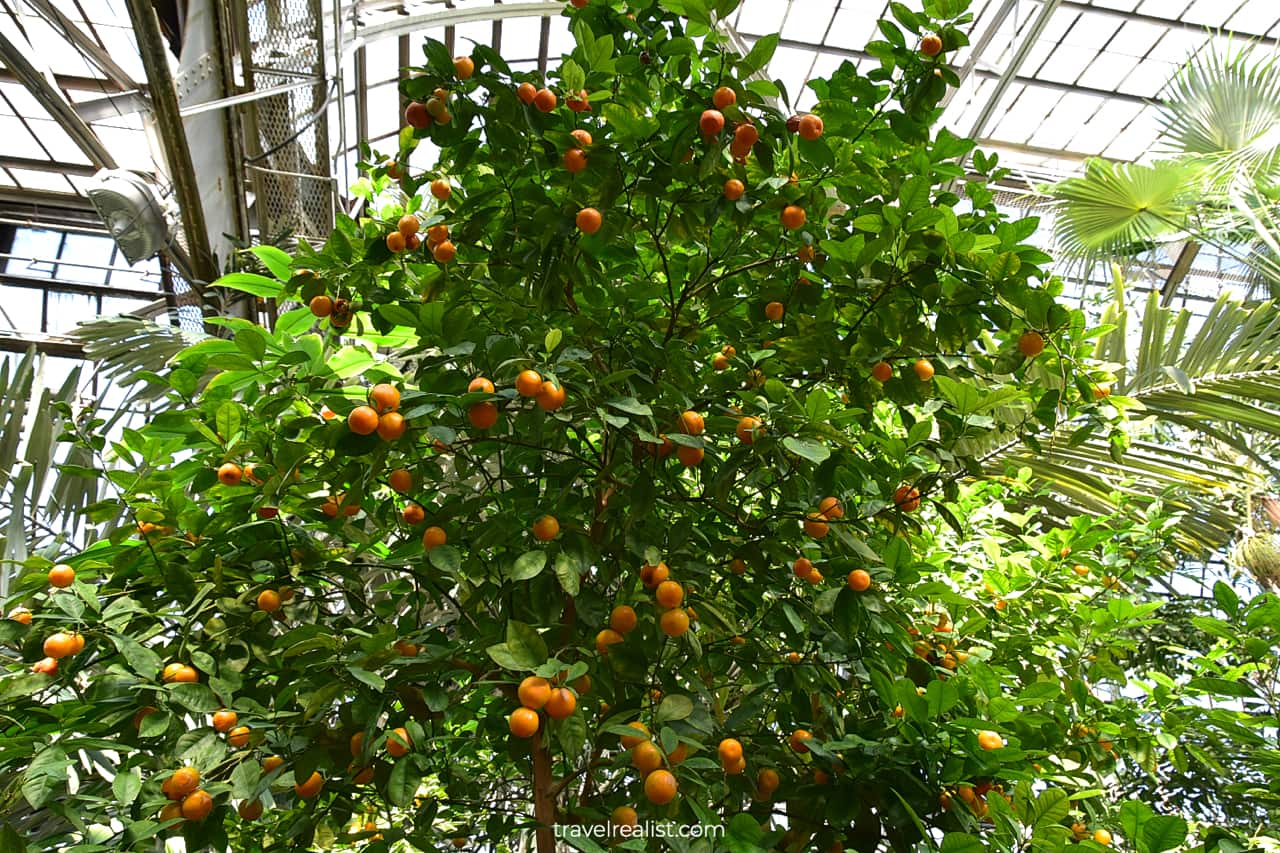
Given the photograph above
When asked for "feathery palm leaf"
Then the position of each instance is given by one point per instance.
(1217, 386)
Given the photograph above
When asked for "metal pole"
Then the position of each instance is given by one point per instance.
(164, 105)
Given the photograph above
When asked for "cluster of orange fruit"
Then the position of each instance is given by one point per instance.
(405, 237)
(882, 371)
(420, 115)
(538, 694)
(659, 783)
(60, 644)
(381, 416)
(974, 797)
(529, 384)
(189, 800)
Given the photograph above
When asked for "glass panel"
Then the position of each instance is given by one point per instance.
(67, 310)
(20, 308)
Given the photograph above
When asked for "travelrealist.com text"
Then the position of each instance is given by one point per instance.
(643, 829)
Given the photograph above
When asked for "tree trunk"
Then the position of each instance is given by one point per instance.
(544, 802)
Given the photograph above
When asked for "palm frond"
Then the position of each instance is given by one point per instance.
(127, 347)
(1215, 387)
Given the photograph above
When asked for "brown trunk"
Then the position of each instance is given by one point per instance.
(544, 801)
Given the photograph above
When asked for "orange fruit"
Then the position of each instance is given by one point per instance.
(830, 507)
(363, 420)
(931, 45)
(143, 712)
(674, 623)
(482, 415)
(1080, 570)
(534, 692)
(413, 514)
(385, 397)
(734, 189)
(738, 566)
(433, 537)
(45, 666)
(523, 722)
(882, 371)
(906, 498)
(400, 480)
(1031, 344)
(271, 762)
(574, 161)
(177, 673)
(171, 811)
(651, 576)
(546, 528)
(528, 383)
(669, 594)
(21, 615)
(561, 704)
(745, 136)
(689, 456)
(660, 787)
(623, 816)
(550, 397)
(438, 233)
(416, 115)
(605, 639)
(269, 600)
(802, 567)
(582, 137)
(183, 781)
(60, 645)
(545, 100)
(197, 805)
(646, 757)
(989, 740)
(444, 252)
(405, 648)
(924, 369)
(692, 423)
(810, 127)
(1101, 836)
(250, 809)
(767, 780)
(526, 92)
(396, 242)
(408, 225)
(623, 619)
(711, 123)
(588, 220)
(480, 384)
(224, 720)
(391, 426)
(441, 189)
(310, 788)
(357, 744)
(859, 580)
(720, 362)
(724, 97)
(730, 751)
(398, 742)
(238, 737)
(793, 217)
(464, 67)
(814, 526)
(321, 306)
(797, 739)
(229, 474)
(749, 429)
(774, 311)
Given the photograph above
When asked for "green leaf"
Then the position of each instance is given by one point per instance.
(247, 282)
(942, 696)
(1052, 806)
(10, 841)
(445, 558)
(276, 260)
(140, 659)
(526, 643)
(244, 779)
(962, 842)
(759, 55)
(1226, 598)
(228, 420)
(402, 783)
(811, 450)
(196, 698)
(1163, 832)
(915, 193)
(125, 787)
(502, 655)
(631, 406)
(552, 340)
(529, 565)
(568, 574)
(46, 773)
(365, 677)
(675, 707)
(572, 734)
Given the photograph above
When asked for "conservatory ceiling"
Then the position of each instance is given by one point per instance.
(1047, 82)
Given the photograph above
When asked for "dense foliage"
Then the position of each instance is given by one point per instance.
(344, 536)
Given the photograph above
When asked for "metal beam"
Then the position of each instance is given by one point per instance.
(405, 24)
(1010, 74)
(88, 47)
(32, 165)
(1181, 267)
(55, 103)
(1154, 20)
(979, 50)
(112, 106)
(173, 137)
(56, 345)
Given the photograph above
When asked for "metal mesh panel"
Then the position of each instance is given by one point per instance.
(290, 169)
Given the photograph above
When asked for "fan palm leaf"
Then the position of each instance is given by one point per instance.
(1215, 387)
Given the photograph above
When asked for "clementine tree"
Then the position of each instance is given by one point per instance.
(509, 559)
